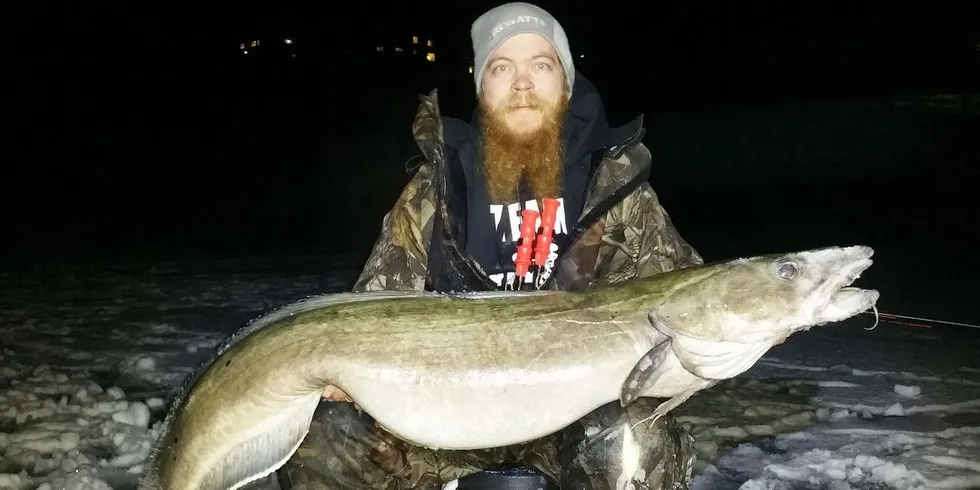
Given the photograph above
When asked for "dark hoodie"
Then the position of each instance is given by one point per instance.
(485, 234)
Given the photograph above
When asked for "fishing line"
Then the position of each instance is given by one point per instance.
(888, 316)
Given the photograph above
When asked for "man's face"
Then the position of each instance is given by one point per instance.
(524, 83)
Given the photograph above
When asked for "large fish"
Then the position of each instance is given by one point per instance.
(484, 370)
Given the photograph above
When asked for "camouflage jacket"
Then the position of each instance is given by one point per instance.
(623, 231)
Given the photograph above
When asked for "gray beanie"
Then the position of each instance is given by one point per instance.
(501, 23)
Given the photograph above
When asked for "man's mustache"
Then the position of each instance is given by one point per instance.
(516, 102)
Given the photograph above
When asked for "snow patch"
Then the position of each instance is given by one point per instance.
(86, 368)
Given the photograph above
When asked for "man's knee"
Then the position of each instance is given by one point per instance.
(613, 447)
(672, 467)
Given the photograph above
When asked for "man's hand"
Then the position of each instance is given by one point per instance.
(335, 394)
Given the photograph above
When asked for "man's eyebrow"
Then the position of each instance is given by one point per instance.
(539, 55)
(546, 55)
(499, 58)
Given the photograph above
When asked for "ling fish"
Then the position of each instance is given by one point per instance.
(489, 369)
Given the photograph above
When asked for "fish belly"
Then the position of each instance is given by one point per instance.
(476, 410)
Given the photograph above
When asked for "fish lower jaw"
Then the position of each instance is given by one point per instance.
(845, 303)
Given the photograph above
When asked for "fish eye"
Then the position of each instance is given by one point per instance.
(787, 270)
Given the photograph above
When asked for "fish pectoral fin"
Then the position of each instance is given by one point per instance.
(646, 372)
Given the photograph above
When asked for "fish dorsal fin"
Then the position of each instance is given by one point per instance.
(646, 372)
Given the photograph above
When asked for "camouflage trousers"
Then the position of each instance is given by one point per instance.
(609, 449)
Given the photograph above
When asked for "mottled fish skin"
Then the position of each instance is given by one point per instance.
(485, 370)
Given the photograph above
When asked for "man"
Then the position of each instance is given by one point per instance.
(540, 133)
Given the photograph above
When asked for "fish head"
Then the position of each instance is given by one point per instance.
(767, 298)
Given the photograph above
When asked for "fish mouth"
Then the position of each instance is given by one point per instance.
(847, 302)
(843, 299)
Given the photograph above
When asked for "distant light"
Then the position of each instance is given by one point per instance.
(429, 43)
(581, 56)
(293, 55)
(241, 46)
(244, 51)
(430, 56)
(415, 39)
(471, 69)
(288, 41)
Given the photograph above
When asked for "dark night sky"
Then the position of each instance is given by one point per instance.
(730, 45)
(780, 31)
(129, 117)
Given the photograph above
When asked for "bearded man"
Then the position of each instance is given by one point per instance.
(540, 134)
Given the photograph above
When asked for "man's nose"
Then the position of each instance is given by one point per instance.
(522, 83)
